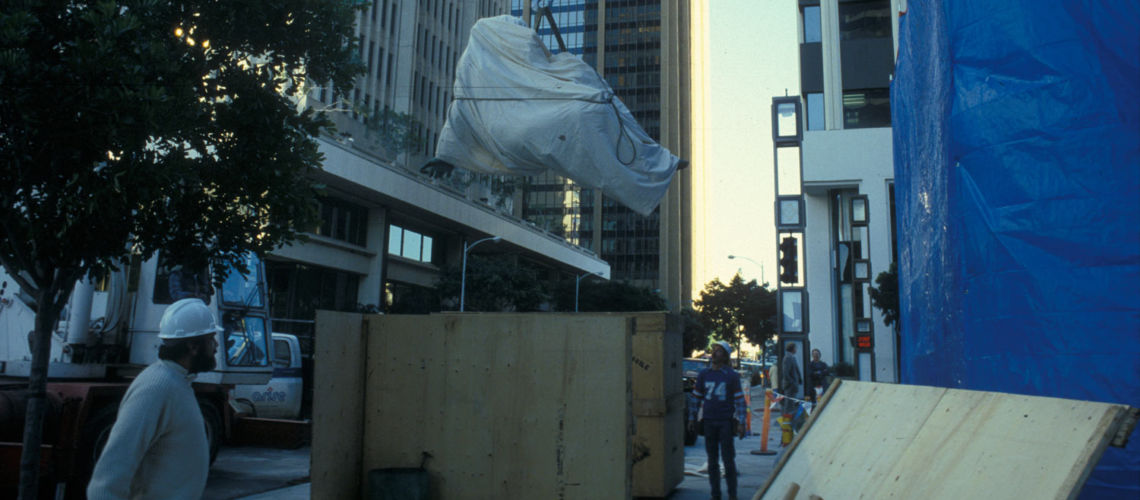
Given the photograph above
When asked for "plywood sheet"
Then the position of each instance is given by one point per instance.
(338, 379)
(900, 441)
(507, 405)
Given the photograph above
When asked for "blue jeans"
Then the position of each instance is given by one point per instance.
(718, 436)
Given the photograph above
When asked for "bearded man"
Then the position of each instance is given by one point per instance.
(158, 446)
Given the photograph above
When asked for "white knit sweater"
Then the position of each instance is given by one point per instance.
(157, 447)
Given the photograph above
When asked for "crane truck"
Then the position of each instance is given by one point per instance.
(106, 335)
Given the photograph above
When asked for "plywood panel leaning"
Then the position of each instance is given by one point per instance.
(873, 440)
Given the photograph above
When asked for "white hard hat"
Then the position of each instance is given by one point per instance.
(727, 347)
(187, 318)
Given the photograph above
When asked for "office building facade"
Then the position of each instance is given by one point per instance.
(841, 170)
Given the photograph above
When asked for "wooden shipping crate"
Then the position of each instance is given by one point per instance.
(656, 356)
(338, 404)
(659, 451)
(507, 405)
(658, 403)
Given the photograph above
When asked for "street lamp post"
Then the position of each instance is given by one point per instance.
(761, 264)
(578, 282)
(463, 273)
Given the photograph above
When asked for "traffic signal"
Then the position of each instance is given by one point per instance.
(789, 261)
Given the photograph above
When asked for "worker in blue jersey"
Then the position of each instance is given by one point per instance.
(721, 412)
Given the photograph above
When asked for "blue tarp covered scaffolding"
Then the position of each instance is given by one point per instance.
(1017, 158)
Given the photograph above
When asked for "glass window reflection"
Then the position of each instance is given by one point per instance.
(244, 290)
(246, 341)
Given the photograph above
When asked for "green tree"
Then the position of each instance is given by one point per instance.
(598, 295)
(147, 124)
(738, 311)
(695, 335)
(495, 283)
(885, 297)
(395, 131)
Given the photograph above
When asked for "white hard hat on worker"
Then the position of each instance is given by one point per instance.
(187, 318)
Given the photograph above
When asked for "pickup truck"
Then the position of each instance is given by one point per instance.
(281, 396)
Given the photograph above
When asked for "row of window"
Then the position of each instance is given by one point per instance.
(410, 244)
(862, 108)
(857, 21)
(435, 52)
(348, 222)
(344, 221)
(387, 16)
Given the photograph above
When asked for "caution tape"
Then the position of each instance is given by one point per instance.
(777, 397)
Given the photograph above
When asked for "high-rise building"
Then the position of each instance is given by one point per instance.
(835, 184)
(640, 47)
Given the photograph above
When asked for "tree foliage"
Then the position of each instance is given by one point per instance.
(495, 283)
(135, 126)
(738, 311)
(885, 296)
(598, 295)
(695, 335)
(394, 131)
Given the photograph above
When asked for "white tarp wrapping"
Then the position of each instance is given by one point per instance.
(520, 111)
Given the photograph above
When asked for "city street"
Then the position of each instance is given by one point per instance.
(253, 473)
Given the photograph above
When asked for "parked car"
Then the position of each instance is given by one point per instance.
(690, 368)
(758, 372)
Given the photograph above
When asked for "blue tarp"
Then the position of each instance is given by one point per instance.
(1017, 160)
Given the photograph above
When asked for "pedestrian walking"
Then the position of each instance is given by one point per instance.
(721, 408)
(818, 374)
(158, 447)
(790, 379)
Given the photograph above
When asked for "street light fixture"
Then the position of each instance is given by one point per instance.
(761, 264)
(463, 273)
(579, 282)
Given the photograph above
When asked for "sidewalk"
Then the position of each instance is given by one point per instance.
(752, 470)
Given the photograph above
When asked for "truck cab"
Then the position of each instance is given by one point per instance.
(109, 328)
(281, 396)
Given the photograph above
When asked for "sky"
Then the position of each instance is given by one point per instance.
(753, 57)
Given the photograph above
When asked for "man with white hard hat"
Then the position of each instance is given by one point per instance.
(158, 446)
(720, 399)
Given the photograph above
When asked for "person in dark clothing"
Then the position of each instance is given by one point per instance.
(818, 374)
(722, 410)
(790, 378)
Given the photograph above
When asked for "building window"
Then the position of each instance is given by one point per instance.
(815, 111)
(866, 108)
(812, 32)
(343, 221)
(866, 19)
(296, 291)
(410, 244)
